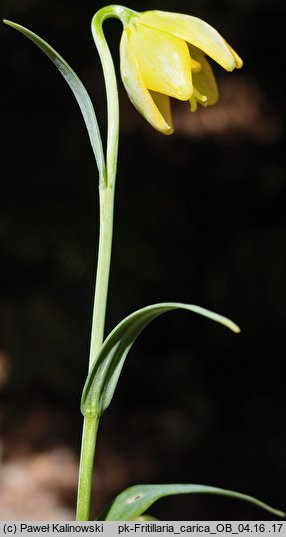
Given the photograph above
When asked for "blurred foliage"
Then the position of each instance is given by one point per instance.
(219, 242)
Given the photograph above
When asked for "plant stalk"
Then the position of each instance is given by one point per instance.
(90, 425)
(86, 467)
(106, 203)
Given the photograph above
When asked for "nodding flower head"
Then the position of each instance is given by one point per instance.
(163, 55)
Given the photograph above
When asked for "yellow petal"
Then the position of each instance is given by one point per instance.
(204, 80)
(193, 30)
(164, 106)
(237, 59)
(137, 91)
(164, 62)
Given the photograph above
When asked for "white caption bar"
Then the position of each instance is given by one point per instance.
(153, 529)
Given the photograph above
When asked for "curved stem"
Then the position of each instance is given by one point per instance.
(107, 184)
(106, 189)
(106, 202)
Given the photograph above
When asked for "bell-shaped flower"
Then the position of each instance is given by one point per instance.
(163, 55)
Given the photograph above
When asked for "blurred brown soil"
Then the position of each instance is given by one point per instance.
(39, 456)
(38, 468)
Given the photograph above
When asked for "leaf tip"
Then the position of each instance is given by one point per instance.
(231, 325)
(10, 23)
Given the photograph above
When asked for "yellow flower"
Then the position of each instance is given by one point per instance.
(162, 55)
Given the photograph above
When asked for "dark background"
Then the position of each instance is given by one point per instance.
(199, 218)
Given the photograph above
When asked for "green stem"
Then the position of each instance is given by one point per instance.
(107, 185)
(106, 201)
(86, 467)
(90, 425)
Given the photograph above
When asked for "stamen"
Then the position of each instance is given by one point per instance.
(195, 66)
(193, 104)
(199, 96)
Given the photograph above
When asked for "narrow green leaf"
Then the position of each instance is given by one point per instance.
(134, 501)
(103, 377)
(78, 90)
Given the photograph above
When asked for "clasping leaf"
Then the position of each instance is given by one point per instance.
(103, 377)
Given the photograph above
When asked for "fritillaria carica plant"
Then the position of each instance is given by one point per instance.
(162, 56)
